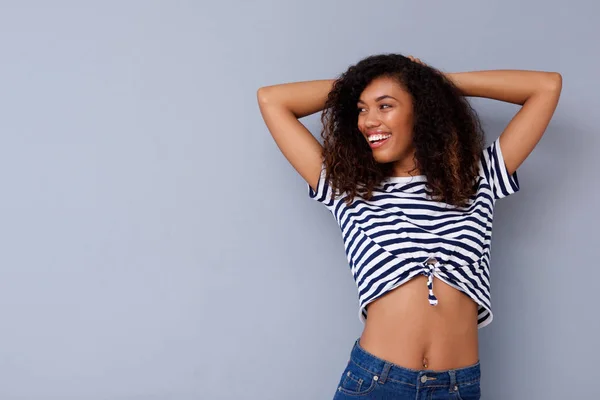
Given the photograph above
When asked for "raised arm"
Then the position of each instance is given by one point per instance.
(537, 91)
(281, 106)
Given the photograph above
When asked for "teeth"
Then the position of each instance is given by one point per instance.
(374, 138)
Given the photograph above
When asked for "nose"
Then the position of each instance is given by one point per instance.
(372, 120)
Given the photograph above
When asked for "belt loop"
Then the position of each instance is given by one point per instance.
(385, 372)
(452, 374)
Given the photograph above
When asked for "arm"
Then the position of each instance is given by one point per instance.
(281, 106)
(538, 93)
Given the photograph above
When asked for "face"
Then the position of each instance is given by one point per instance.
(385, 118)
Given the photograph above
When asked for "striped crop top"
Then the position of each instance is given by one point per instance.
(401, 233)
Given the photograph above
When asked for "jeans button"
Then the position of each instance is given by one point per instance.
(424, 379)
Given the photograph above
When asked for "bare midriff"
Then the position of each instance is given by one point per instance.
(404, 329)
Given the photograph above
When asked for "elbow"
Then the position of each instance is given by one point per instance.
(261, 95)
(549, 85)
(266, 96)
(554, 82)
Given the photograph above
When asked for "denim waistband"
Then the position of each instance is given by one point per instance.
(419, 378)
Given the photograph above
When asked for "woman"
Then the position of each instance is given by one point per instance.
(404, 172)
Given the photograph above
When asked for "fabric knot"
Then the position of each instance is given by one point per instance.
(429, 267)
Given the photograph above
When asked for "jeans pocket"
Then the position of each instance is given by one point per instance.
(357, 381)
(470, 391)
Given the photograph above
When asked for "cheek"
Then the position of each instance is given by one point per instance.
(361, 128)
(360, 122)
(399, 121)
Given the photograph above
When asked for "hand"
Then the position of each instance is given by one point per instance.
(448, 75)
(414, 59)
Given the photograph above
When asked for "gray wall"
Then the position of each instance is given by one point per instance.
(156, 244)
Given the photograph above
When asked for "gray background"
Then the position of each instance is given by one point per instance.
(157, 245)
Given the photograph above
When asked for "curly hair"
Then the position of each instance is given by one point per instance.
(447, 133)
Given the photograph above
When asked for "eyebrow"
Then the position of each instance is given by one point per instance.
(385, 96)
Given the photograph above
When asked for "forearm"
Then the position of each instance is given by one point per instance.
(513, 86)
(301, 98)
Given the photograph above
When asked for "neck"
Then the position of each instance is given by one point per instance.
(405, 171)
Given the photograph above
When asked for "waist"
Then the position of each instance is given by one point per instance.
(404, 329)
(386, 371)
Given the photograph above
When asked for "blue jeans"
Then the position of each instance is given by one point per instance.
(369, 377)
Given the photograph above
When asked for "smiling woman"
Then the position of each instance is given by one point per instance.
(404, 172)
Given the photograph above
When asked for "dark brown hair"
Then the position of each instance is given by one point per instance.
(447, 133)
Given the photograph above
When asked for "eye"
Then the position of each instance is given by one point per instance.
(359, 109)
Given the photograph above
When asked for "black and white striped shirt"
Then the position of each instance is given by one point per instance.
(401, 232)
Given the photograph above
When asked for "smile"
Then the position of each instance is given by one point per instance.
(378, 140)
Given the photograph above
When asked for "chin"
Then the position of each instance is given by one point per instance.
(383, 158)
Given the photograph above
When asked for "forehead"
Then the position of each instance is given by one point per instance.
(383, 86)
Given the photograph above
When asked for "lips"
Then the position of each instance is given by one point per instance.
(379, 143)
(377, 139)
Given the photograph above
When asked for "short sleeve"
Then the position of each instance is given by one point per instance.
(323, 190)
(494, 169)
